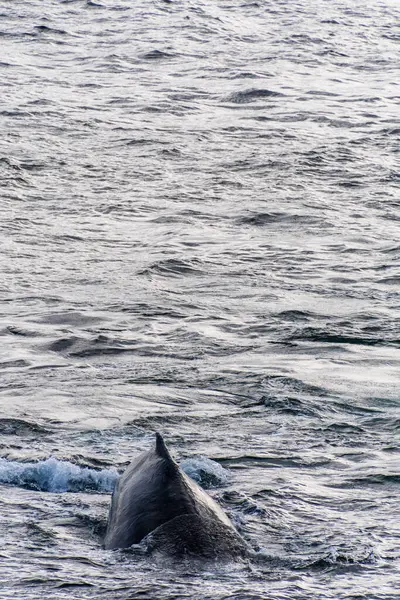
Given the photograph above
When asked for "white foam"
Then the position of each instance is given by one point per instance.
(53, 475)
(205, 471)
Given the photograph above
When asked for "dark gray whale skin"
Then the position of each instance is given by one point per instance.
(155, 498)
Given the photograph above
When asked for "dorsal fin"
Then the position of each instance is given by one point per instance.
(161, 448)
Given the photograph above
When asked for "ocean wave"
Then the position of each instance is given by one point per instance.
(53, 475)
(246, 96)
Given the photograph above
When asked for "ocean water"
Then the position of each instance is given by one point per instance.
(200, 235)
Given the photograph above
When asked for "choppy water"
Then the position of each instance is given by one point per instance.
(200, 235)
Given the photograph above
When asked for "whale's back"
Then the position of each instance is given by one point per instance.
(155, 495)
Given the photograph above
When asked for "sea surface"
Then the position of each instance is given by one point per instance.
(200, 235)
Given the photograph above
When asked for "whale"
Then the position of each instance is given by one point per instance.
(157, 504)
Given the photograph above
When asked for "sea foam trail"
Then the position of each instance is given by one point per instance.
(53, 475)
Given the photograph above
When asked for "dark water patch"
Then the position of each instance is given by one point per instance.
(313, 334)
(351, 184)
(74, 584)
(340, 561)
(244, 75)
(68, 238)
(153, 422)
(16, 114)
(352, 407)
(262, 219)
(302, 37)
(47, 29)
(103, 345)
(157, 55)
(251, 95)
(186, 96)
(344, 428)
(391, 449)
(257, 168)
(170, 153)
(157, 379)
(62, 344)
(332, 52)
(32, 165)
(142, 142)
(75, 346)
(295, 315)
(291, 406)
(34, 300)
(378, 479)
(148, 311)
(14, 363)
(322, 93)
(118, 209)
(171, 219)
(390, 281)
(174, 267)
(395, 131)
(382, 424)
(17, 34)
(13, 426)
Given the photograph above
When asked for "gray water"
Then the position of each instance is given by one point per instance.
(200, 235)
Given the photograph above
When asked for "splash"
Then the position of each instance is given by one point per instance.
(53, 475)
(205, 472)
